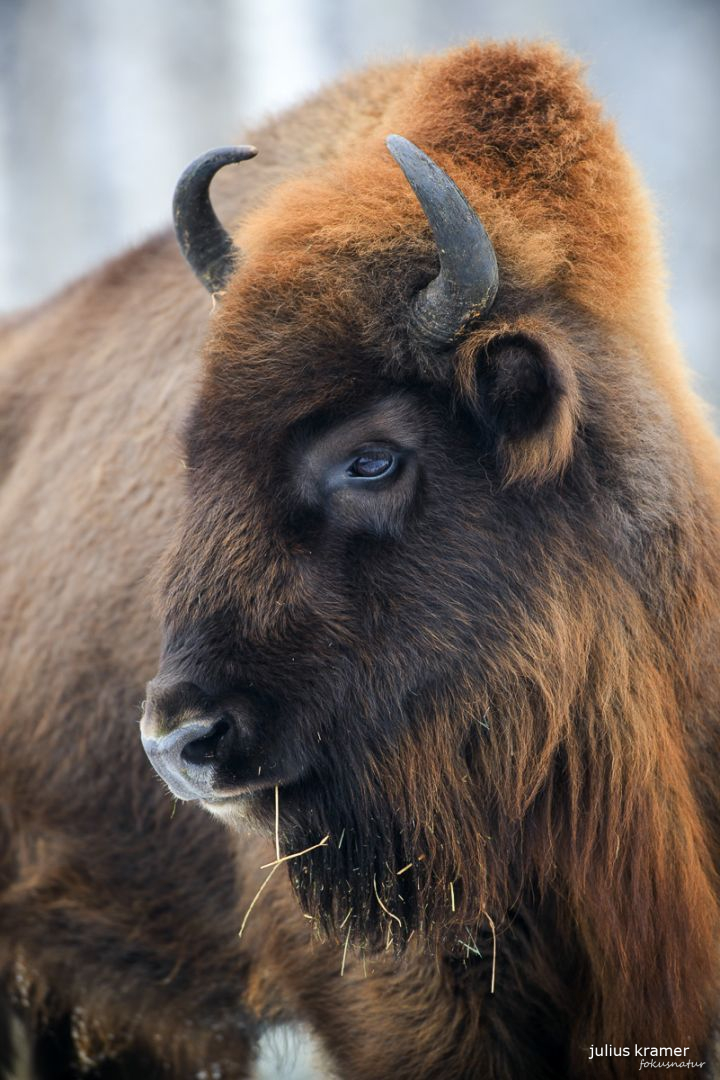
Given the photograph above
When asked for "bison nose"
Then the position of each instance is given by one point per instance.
(199, 743)
(189, 757)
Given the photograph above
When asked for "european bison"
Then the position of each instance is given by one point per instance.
(441, 608)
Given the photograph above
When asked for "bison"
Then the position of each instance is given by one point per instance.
(439, 618)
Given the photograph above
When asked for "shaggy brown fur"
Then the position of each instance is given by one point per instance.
(497, 696)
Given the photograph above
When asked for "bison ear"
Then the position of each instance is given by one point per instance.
(527, 393)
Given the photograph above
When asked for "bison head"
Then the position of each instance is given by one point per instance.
(441, 528)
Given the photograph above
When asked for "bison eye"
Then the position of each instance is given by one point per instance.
(359, 475)
(372, 464)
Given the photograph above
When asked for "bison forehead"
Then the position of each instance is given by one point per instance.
(517, 130)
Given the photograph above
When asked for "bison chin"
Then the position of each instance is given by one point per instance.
(364, 880)
(367, 870)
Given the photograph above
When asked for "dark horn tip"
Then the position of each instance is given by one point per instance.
(204, 242)
(466, 286)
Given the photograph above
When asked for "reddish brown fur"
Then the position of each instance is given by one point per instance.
(586, 825)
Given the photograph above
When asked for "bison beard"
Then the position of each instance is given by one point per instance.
(444, 583)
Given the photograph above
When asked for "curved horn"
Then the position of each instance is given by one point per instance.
(203, 241)
(468, 278)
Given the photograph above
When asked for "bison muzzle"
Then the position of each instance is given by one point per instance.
(207, 747)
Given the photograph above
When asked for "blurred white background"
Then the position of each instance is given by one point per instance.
(102, 103)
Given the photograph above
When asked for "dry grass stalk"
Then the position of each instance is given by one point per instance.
(344, 955)
(494, 959)
(256, 897)
(277, 823)
(273, 867)
(296, 854)
(377, 897)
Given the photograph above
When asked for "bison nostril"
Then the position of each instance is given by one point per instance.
(206, 749)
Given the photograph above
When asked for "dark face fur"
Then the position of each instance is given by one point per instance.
(367, 613)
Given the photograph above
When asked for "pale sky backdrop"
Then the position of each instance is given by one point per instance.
(102, 103)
